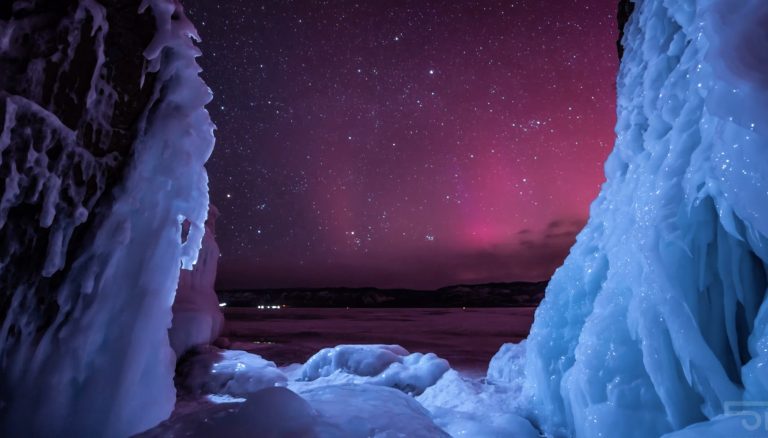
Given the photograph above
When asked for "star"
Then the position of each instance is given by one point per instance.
(345, 132)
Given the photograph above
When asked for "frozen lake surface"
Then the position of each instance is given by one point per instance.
(466, 338)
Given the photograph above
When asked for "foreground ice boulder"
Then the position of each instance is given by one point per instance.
(658, 318)
(466, 407)
(235, 393)
(363, 410)
(349, 411)
(271, 412)
(208, 370)
(386, 365)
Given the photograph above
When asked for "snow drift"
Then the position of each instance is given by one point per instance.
(658, 318)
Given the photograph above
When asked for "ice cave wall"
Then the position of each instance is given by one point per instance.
(658, 317)
(103, 137)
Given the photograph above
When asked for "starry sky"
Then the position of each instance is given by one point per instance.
(414, 143)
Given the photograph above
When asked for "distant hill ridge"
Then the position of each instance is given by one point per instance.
(516, 294)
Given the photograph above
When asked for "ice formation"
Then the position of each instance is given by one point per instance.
(83, 342)
(346, 391)
(507, 366)
(467, 407)
(658, 320)
(208, 370)
(362, 410)
(345, 410)
(386, 365)
(197, 317)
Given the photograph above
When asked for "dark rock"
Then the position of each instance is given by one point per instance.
(518, 294)
(626, 7)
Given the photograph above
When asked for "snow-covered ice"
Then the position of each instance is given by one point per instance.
(348, 390)
(363, 410)
(469, 407)
(271, 412)
(343, 410)
(103, 365)
(507, 366)
(368, 391)
(658, 319)
(209, 370)
(386, 365)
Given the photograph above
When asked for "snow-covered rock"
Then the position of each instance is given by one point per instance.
(386, 365)
(197, 317)
(658, 318)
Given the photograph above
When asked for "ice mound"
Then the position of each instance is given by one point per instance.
(362, 410)
(658, 318)
(334, 410)
(386, 365)
(208, 370)
(470, 408)
(271, 412)
(507, 366)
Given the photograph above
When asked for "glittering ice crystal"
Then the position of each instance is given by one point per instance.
(658, 319)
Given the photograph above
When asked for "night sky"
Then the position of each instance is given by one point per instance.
(404, 143)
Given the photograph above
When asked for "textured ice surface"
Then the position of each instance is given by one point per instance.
(507, 366)
(338, 404)
(386, 365)
(197, 317)
(100, 365)
(208, 370)
(466, 407)
(658, 319)
(346, 391)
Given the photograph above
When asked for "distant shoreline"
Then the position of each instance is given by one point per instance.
(515, 294)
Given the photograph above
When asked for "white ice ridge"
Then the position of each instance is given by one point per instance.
(658, 318)
(384, 365)
(104, 366)
(344, 391)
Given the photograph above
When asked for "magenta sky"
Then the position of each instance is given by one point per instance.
(407, 143)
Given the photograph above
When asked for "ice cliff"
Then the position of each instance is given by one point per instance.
(658, 318)
(197, 317)
(103, 137)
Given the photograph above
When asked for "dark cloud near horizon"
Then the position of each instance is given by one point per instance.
(531, 258)
(409, 143)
